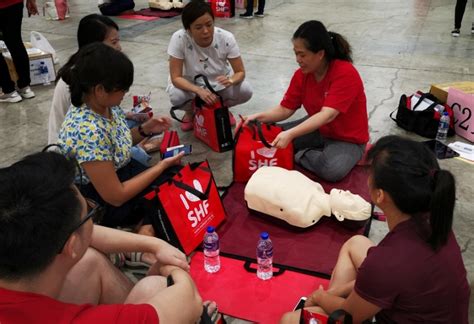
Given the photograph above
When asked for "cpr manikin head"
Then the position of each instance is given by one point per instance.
(346, 205)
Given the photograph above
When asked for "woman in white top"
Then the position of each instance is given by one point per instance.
(201, 48)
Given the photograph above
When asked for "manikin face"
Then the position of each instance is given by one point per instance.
(346, 205)
(308, 61)
(202, 30)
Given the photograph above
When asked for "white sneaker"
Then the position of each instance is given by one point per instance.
(26, 93)
(11, 97)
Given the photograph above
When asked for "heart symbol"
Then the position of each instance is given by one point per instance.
(269, 153)
(192, 197)
(200, 120)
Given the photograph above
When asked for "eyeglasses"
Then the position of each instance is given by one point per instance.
(95, 211)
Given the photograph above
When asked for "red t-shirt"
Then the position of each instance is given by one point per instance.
(20, 307)
(8, 3)
(341, 89)
(411, 282)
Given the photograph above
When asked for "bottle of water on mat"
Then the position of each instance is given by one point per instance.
(443, 127)
(212, 263)
(264, 257)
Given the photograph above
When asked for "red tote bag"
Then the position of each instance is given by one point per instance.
(186, 204)
(252, 150)
(212, 123)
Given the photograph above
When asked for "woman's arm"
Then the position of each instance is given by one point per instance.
(272, 115)
(325, 116)
(176, 75)
(238, 76)
(105, 180)
(108, 240)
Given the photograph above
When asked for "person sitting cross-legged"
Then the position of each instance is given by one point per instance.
(52, 266)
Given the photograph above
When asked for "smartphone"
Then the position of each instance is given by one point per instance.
(300, 304)
(175, 150)
(441, 150)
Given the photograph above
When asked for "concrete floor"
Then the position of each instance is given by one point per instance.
(399, 47)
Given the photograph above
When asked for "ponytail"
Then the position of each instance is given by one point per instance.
(96, 64)
(409, 172)
(316, 38)
(342, 49)
(441, 208)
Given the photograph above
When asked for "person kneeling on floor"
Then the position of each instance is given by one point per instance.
(52, 266)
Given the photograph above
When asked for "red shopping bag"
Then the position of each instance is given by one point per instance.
(186, 204)
(212, 123)
(339, 316)
(252, 150)
(222, 8)
(170, 138)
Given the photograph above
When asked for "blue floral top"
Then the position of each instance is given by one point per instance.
(88, 136)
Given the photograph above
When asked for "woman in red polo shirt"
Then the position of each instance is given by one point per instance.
(331, 139)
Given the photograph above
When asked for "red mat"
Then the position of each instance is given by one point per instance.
(241, 294)
(313, 249)
(138, 17)
(160, 13)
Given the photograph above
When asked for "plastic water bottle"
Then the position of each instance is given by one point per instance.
(443, 127)
(43, 69)
(264, 257)
(212, 263)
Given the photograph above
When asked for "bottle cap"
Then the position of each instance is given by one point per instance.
(211, 229)
(264, 235)
(446, 113)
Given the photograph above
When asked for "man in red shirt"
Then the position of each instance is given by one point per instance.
(11, 15)
(331, 139)
(52, 266)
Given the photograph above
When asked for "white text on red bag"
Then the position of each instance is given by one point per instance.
(253, 151)
(186, 204)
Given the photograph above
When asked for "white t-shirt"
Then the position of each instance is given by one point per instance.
(212, 61)
(59, 108)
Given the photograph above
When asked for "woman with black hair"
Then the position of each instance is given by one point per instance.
(331, 139)
(92, 28)
(416, 273)
(96, 134)
(202, 48)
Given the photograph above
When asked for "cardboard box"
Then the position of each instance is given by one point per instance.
(440, 91)
(36, 56)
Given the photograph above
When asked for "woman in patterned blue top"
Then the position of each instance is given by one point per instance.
(95, 133)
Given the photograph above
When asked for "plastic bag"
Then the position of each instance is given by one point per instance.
(39, 41)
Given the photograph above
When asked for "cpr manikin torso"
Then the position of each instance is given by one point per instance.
(296, 199)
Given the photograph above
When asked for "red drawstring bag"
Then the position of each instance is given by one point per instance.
(186, 204)
(170, 138)
(252, 150)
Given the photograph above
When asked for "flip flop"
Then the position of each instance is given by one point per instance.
(135, 261)
(213, 317)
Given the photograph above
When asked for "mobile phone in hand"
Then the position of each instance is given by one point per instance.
(300, 304)
(175, 150)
